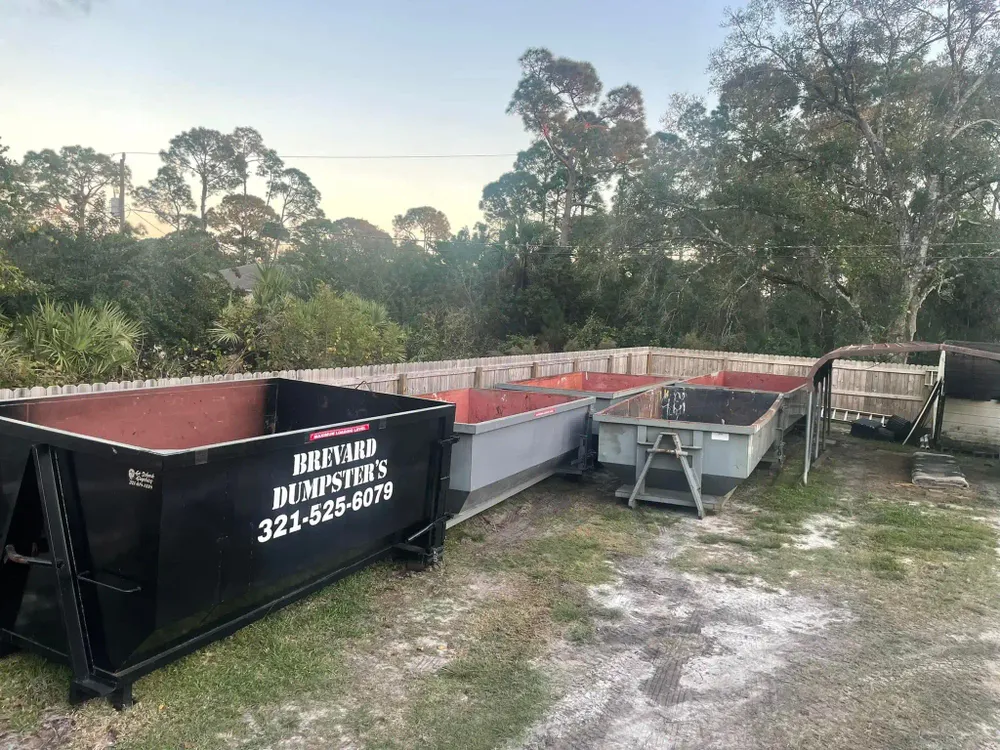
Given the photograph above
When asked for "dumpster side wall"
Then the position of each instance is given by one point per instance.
(461, 466)
(506, 452)
(301, 405)
(489, 466)
(243, 529)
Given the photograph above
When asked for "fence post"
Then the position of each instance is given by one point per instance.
(477, 378)
(576, 365)
(401, 388)
(628, 364)
(649, 362)
(611, 363)
(534, 369)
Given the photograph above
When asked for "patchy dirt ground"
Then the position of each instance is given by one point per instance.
(857, 612)
(732, 636)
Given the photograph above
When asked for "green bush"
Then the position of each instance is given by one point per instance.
(57, 343)
(274, 330)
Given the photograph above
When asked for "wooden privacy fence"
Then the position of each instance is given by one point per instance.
(867, 387)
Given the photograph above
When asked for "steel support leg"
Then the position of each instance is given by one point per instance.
(682, 456)
(810, 426)
(640, 481)
(692, 480)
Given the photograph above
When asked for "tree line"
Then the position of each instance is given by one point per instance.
(842, 186)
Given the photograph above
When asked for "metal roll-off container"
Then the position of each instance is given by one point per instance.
(606, 388)
(139, 525)
(508, 441)
(687, 445)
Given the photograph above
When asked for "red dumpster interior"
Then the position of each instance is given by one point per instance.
(191, 416)
(751, 381)
(158, 418)
(594, 382)
(474, 405)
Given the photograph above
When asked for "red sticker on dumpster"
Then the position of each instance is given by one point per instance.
(352, 430)
(545, 412)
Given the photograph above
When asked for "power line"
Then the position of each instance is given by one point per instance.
(138, 215)
(556, 250)
(363, 156)
(397, 156)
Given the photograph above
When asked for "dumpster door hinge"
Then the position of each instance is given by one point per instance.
(448, 441)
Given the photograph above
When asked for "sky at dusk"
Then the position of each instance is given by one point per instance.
(327, 77)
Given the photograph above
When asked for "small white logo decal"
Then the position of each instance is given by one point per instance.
(142, 479)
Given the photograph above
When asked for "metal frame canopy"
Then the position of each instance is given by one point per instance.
(820, 395)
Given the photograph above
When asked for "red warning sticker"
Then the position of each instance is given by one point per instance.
(545, 412)
(352, 430)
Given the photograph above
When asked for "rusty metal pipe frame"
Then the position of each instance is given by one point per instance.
(906, 347)
(822, 377)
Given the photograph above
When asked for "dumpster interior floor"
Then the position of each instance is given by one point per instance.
(860, 611)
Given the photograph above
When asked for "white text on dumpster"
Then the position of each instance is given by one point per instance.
(313, 499)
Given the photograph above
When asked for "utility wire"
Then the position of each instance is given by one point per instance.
(358, 156)
(570, 251)
(138, 215)
(557, 250)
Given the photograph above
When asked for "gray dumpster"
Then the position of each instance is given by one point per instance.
(508, 441)
(606, 388)
(686, 445)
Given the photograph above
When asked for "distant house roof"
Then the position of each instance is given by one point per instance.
(242, 278)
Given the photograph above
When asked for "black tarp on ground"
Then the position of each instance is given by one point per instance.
(871, 429)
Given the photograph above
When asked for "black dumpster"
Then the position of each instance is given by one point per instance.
(137, 526)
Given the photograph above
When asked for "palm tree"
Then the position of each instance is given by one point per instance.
(79, 343)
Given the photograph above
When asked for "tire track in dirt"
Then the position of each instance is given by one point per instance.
(686, 663)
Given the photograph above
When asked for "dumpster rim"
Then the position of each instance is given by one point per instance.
(688, 384)
(202, 450)
(601, 395)
(602, 417)
(165, 453)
